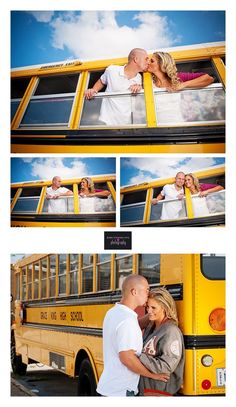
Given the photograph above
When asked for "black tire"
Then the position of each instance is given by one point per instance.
(86, 381)
(18, 367)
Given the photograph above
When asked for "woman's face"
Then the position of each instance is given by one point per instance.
(155, 310)
(188, 181)
(84, 183)
(153, 65)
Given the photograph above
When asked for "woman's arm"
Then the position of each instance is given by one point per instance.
(208, 191)
(189, 81)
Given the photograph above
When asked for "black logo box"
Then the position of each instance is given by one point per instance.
(118, 240)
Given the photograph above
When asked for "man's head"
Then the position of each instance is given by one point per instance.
(179, 179)
(139, 58)
(135, 289)
(56, 182)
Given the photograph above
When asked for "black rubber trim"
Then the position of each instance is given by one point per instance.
(206, 221)
(204, 341)
(80, 218)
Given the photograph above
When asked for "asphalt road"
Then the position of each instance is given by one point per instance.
(43, 381)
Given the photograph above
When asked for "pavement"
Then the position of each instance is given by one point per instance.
(18, 390)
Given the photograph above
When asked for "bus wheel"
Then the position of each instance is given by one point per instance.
(18, 367)
(87, 383)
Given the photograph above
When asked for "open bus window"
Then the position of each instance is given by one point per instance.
(63, 204)
(74, 267)
(28, 200)
(149, 267)
(123, 268)
(133, 205)
(213, 266)
(97, 203)
(18, 88)
(171, 209)
(114, 109)
(103, 272)
(214, 202)
(203, 66)
(52, 101)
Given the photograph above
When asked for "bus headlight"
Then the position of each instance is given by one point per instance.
(207, 360)
(217, 319)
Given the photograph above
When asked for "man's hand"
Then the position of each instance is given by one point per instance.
(180, 196)
(154, 201)
(135, 88)
(90, 93)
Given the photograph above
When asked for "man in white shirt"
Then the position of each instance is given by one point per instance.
(54, 193)
(172, 210)
(122, 342)
(117, 110)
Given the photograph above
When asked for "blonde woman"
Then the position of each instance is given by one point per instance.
(87, 193)
(163, 346)
(200, 205)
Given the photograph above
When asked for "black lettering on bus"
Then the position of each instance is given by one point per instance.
(43, 315)
(76, 316)
(53, 316)
(62, 316)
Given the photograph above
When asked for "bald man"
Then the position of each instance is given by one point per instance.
(116, 110)
(123, 343)
(56, 191)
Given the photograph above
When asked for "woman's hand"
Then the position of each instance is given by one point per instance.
(163, 377)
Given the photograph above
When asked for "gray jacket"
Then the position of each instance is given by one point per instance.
(163, 352)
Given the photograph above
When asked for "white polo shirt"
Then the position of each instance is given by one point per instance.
(57, 205)
(171, 210)
(117, 110)
(121, 332)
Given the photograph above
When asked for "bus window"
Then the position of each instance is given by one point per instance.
(204, 66)
(36, 280)
(103, 272)
(213, 266)
(123, 267)
(149, 267)
(52, 101)
(24, 284)
(52, 275)
(17, 286)
(190, 105)
(87, 273)
(28, 200)
(93, 78)
(68, 206)
(62, 274)
(18, 88)
(74, 268)
(214, 202)
(44, 266)
(133, 206)
(29, 281)
(135, 113)
(97, 204)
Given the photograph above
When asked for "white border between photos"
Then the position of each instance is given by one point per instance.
(25, 240)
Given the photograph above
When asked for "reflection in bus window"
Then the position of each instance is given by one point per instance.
(104, 272)
(168, 210)
(52, 275)
(44, 266)
(213, 266)
(62, 273)
(96, 204)
(149, 267)
(36, 280)
(199, 105)
(123, 268)
(52, 101)
(87, 273)
(65, 204)
(211, 204)
(135, 110)
(29, 281)
(24, 281)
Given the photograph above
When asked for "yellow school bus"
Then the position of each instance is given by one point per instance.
(61, 301)
(137, 208)
(50, 114)
(30, 206)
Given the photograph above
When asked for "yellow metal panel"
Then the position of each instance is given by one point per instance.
(220, 67)
(76, 198)
(29, 223)
(41, 200)
(147, 209)
(112, 190)
(79, 100)
(189, 204)
(149, 100)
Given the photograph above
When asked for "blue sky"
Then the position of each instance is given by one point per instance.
(137, 170)
(30, 169)
(49, 36)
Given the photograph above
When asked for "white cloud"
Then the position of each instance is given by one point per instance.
(47, 168)
(42, 16)
(153, 168)
(96, 34)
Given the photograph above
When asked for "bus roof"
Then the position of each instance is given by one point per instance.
(73, 62)
(41, 181)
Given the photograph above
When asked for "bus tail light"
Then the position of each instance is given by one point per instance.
(217, 319)
(206, 384)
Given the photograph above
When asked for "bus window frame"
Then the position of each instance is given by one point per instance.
(205, 274)
(101, 263)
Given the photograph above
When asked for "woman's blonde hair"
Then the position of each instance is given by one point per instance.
(90, 183)
(165, 299)
(168, 66)
(195, 181)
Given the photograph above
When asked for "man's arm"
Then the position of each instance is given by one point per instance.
(90, 93)
(132, 362)
(157, 199)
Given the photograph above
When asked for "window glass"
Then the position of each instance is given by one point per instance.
(44, 277)
(36, 280)
(124, 267)
(63, 204)
(13, 192)
(172, 210)
(30, 281)
(28, 200)
(132, 214)
(74, 267)
(134, 197)
(213, 266)
(149, 267)
(17, 286)
(211, 204)
(104, 274)
(87, 260)
(24, 282)
(87, 281)
(62, 273)
(53, 85)
(52, 275)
